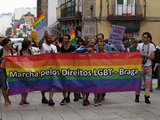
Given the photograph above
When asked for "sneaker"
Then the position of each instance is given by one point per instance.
(88, 102)
(96, 103)
(75, 99)
(63, 102)
(85, 103)
(44, 101)
(67, 99)
(99, 103)
(51, 103)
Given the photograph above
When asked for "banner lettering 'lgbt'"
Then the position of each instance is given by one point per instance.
(93, 73)
(73, 37)
(20, 21)
(40, 22)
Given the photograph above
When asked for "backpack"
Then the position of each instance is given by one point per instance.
(157, 56)
(28, 51)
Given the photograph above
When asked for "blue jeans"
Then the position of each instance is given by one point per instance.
(3, 78)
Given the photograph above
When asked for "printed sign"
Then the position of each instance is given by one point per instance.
(116, 34)
(129, 35)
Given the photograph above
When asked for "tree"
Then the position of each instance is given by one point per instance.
(9, 31)
(20, 35)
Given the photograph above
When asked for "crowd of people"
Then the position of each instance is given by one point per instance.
(51, 44)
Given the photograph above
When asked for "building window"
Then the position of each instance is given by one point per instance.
(119, 1)
(130, 2)
(59, 2)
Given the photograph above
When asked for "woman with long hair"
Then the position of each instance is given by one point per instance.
(6, 51)
(25, 51)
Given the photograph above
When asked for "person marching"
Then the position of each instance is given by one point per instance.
(147, 51)
(67, 48)
(5, 51)
(47, 47)
(99, 95)
(25, 51)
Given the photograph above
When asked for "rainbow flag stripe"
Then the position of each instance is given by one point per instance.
(20, 21)
(73, 37)
(79, 72)
(40, 22)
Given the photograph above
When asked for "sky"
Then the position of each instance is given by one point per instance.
(9, 5)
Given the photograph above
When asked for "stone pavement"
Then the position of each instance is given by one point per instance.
(117, 106)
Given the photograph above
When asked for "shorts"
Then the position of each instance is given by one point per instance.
(3, 78)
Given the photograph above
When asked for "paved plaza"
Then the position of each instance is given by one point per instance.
(117, 106)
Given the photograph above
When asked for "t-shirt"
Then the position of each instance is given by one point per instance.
(151, 49)
(71, 49)
(58, 48)
(117, 48)
(47, 48)
(106, 47)
(1, 47)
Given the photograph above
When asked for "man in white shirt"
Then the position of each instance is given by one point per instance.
(47, 48)
(147, 51)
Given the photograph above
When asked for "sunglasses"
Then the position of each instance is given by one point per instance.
(9, 44)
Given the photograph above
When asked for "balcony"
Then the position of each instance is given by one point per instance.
(70, 10)
(126, 12)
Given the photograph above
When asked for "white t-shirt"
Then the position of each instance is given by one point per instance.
(47, 48)
(151, 49)
(1, 47)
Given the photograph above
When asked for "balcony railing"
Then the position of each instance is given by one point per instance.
(70, 8)
(126, 12)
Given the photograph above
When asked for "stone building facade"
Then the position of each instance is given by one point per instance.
(97, 16)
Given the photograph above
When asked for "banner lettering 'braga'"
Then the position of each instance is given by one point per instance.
(92, 73)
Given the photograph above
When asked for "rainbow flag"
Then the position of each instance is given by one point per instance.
(79, 72)
(73, 37)
(20, 21)
(40, 22)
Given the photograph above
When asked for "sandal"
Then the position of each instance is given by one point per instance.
(9, 101)
(5, 104)
(21, 103)
(25, 102)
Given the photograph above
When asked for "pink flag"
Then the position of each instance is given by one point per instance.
(12, 36)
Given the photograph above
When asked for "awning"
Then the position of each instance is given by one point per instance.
(130, 26)
(132, 29)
